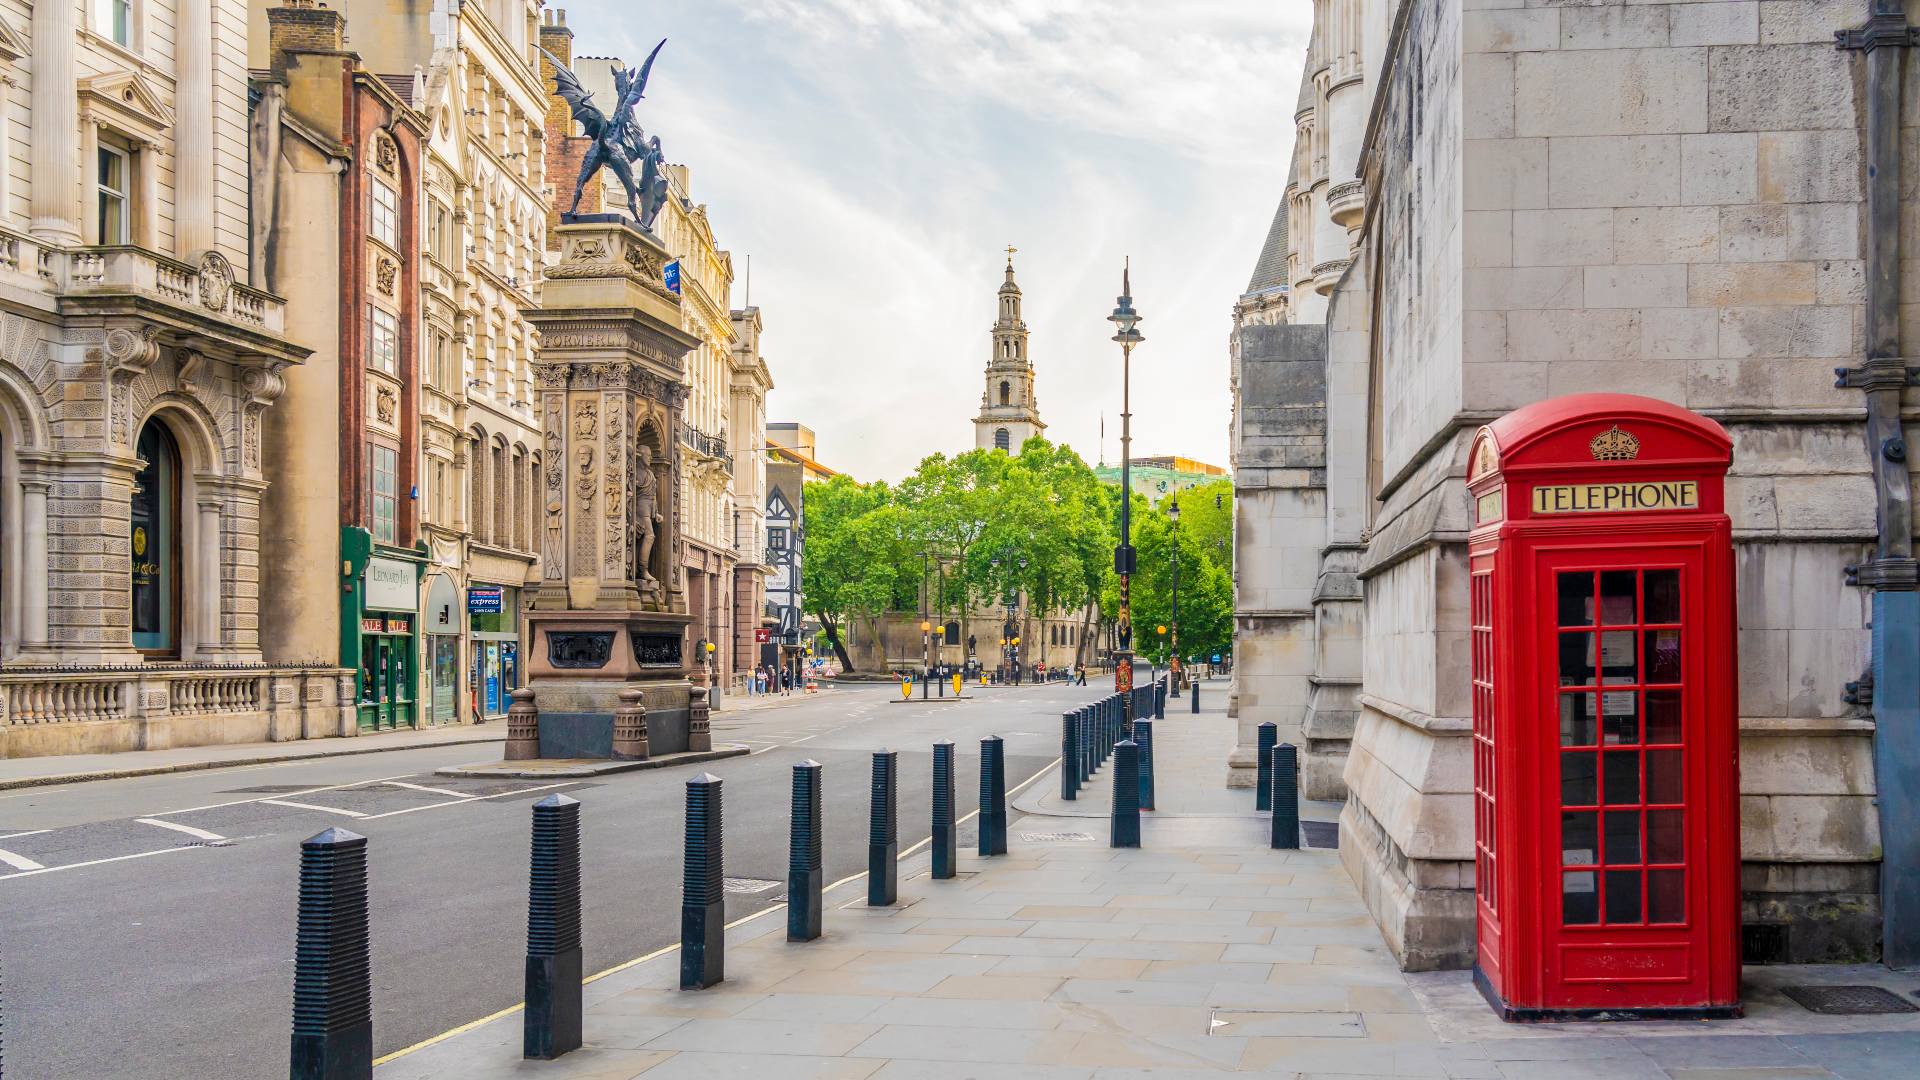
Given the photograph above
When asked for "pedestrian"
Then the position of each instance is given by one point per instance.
(786, 681)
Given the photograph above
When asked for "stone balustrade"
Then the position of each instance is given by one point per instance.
(207, 291)
(51, 710)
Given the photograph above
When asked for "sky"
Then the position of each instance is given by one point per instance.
(874, 158)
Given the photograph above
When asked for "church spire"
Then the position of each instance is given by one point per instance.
(1009, 409)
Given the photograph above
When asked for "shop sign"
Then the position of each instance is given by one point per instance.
(485, 599)
(1616, 498)
(762, 635)
(373, 626)
(402, 625)
(389, 586)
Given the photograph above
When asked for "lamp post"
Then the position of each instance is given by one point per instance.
(1009, 599)
(1126, 322)
(1173, 656)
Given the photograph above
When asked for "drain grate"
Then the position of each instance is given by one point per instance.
(1848, 1000)
(1053, 837)
(1321, 834)
(748, 885)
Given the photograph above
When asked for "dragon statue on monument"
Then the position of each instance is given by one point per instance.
(619, 143)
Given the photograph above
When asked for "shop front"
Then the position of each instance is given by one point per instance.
(440, 618)
(493, 616)
(385, 648)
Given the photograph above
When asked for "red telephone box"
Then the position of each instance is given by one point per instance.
(1605, 712)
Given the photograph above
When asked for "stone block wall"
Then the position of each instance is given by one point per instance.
(1652, 197)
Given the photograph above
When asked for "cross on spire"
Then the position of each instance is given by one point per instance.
(1011, 252)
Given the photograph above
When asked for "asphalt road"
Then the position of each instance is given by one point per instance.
(149, 921)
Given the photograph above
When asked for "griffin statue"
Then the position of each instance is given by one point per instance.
(618, 141)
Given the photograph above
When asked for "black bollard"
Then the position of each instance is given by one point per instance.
(1143, 738)
(1286, 796)
(1089, 743)
(1263, 775)
(1160, 700)
(1070, 756)
(804, 841)
(993, 796)
(883, 831)
(1126, 795)
(332, 983)
(703, 911)
(553, 931)
(946, 833)
(1194, 685)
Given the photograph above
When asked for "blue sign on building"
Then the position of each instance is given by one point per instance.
(484, 600)
(670, 276)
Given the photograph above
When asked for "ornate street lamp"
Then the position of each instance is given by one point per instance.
(1126, 322)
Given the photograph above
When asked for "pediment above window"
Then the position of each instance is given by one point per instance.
(13, 45)
(127, 102)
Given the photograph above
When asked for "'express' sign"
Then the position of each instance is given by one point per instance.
(1616, 498)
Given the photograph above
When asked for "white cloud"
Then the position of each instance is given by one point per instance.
(873, 156)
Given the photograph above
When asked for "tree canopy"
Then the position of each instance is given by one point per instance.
(968, 530)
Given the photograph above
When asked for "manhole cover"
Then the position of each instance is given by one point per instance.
(1321, 834)
(1053, 837)
(1848, 1000)
(749, 885)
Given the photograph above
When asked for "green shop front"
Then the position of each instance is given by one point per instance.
(380, 631)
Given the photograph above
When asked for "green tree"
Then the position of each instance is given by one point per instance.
(850, 563)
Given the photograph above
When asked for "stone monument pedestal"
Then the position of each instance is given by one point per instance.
(610, 614)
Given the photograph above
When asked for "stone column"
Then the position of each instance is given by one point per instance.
(193, 135)
(210, 594)
(56, 124)
(33, 563)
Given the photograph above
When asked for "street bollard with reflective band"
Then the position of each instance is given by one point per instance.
(1263, 775)
(1143, 738)
(1286, 796)
(993, 796)
(332, 983)
(553, 931)
(804, 841)
(1195, 685)
(703, 913)
(1070, 756)
(883, 831)
(946, 831)
(1125, 830)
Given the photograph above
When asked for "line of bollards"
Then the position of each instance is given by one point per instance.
(332, 1000)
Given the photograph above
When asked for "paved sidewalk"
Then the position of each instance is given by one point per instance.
(1201, 953)
(77, 768)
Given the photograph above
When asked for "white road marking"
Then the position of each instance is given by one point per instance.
(200, 834)
(311, 806)
(97, 862)
(425, 788)
(19, 862)
(463, 802)
(304, 791)
(29, 832)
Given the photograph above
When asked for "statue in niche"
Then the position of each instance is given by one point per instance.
(646, 513)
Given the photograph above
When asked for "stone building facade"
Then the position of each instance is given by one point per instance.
(138, 358)
(1496, 203)
(751, 381)
(336, 228)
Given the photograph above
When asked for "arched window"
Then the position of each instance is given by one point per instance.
(500, 503)
(156, 543)
(1001, 440)
(1006, 391)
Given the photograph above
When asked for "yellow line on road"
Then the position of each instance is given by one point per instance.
(675, 947)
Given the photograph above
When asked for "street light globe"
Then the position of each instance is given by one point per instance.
(1173, 511)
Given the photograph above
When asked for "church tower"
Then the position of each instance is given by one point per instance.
(1009, 411)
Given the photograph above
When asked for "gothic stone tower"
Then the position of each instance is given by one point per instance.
(1009, 412)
